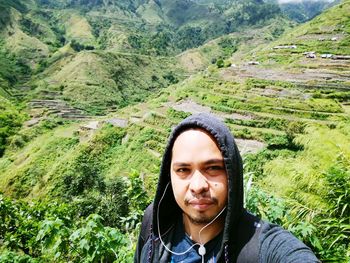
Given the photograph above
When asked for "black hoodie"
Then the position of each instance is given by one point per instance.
(245, 237)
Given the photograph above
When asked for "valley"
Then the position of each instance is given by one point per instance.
(90, 91)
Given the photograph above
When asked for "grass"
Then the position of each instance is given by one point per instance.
(96, 81)
(78, 28)
(332, 23)
(55, 159)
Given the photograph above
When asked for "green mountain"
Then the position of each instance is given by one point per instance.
(305, 10)
(44, 39)
(286, 104)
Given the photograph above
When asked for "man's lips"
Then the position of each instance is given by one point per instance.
(200, 204)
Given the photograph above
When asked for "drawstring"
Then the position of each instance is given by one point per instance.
(227, 260)
(150, 247)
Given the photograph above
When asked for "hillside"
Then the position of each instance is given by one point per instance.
(287, 106)
(302, 11)
(46, 40)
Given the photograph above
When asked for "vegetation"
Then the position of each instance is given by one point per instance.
(12, 69)
(315, 187)
(53, 231)
(305, 10)
(11, 121)
(74, 190)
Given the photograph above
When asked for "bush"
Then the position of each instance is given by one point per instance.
(48, 231)
(316, 182)
(10, 120)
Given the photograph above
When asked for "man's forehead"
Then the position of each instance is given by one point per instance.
(195, 132)
(195, 138)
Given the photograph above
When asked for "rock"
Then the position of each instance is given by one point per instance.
(92, 125)
(326, 56)
(122, 123)
(285, 47)
(32, 122)
(253, 63)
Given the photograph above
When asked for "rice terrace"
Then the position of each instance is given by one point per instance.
(90, 91)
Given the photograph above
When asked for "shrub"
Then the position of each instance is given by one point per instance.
(10, 120)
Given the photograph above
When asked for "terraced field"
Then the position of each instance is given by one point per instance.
(265, 104)
(260, 113)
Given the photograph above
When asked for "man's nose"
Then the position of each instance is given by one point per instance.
(198, 183)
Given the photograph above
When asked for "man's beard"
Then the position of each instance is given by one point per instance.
(201, 218)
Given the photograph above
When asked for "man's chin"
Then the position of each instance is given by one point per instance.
(200, 219)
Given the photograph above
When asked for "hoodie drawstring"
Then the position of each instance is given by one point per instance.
(150, 248)
(227, 260)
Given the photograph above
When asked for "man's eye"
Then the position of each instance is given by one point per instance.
(215, 168)
(182, 170)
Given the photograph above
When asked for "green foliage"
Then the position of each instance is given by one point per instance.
(90, 241)
(138, 201)
(263, 83)
(24, 136)
(48, 231)
(180, 115)
(254, 163)
(79, 47)
(20, 222)
(10, 122)
(228, 45)
(220, 63)
(28, 178)
(161, 42)
(266, 206)
(315, 184)
(5, 6)
(12, 68)
(82, 180)
(84, 172)
(9, 256)
(304, 10)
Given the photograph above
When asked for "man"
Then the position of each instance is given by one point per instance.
(198, 215)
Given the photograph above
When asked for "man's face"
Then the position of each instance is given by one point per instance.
(198, 176)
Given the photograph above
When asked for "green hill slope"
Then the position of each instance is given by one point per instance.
(302, 11)
(278, 102)
(261, 107)
(55, 40)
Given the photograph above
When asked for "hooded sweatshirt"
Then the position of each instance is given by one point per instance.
(245, 238)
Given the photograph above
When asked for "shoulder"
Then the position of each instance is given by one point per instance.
(260, 241)
(279, 245)
(247, 241)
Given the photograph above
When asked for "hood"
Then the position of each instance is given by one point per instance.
(168, 209)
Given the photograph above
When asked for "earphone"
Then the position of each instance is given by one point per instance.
(201, 249)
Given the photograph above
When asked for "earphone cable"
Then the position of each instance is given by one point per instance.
(201, 245)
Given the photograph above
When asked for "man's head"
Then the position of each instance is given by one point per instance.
(188, 139)
(198, 176)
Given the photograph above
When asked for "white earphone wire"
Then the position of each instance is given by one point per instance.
(201, 245)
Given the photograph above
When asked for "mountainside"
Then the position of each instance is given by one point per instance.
(305, 10)
(45, 39)
(283, 92)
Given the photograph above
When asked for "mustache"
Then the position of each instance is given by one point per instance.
(201, 199)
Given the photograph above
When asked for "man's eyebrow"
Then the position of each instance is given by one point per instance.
(181, 164)
(214, 161)
(211, 161)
